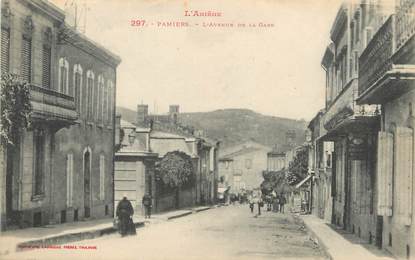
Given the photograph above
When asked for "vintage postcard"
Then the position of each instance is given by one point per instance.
(194, 129)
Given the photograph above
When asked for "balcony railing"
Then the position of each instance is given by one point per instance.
(345, 110)
(405, 22)
(386, 65)
(375, 60)
(51, 106)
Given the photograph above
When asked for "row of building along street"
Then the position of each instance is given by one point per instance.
(71, 157)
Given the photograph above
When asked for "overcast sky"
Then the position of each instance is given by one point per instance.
(274, 71)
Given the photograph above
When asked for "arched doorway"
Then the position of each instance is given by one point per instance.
(87, 183)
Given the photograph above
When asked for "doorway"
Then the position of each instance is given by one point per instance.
(87, 184)
(12, 192)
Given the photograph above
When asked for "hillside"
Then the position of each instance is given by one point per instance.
(233, 126)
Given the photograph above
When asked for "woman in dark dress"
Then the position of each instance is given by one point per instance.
(124, 212)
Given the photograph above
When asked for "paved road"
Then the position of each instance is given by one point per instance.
(222, 233)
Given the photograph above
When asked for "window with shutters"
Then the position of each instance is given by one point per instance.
(100, 98)
(39, 161)
(26, 60)
(89, 99)
(63, 76)
(403, 167)
(77, 81)
(46, 56)
(110, 101)
(5, 50)
(105, 103)
(102, 177)
(69, 180)
(385, 173)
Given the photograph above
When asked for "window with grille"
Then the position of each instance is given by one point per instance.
(26, 65)
(46, 55)
(5, 50)
(39, 161)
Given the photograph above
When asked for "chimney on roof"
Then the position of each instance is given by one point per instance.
(142, 113)
(174, 113)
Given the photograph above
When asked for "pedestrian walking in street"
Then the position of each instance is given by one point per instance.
(276, 203)
(147, 203)
(282, 202)
(251, 204)
(260, 205)
(269, 202)
(124, 212)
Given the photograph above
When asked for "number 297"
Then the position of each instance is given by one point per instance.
(138, 22)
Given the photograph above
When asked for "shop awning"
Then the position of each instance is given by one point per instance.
(303, 181)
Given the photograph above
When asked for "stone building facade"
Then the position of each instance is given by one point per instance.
(352, 127)
(387, 78)
(43, 174)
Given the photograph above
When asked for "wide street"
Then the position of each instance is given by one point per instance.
(220, 233)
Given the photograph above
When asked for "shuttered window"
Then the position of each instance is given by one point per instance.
(105, 104)
(385, 173)
(101, 177)
(110, 101)
(403, 172)
(26, 65)
(46, 55)
(69, 180)
(5, 50)
(77, 82)
(100, 98)
(90, 88)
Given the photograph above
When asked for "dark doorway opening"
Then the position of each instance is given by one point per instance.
(37, 219)
(63, 216)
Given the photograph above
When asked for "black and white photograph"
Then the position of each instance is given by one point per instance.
(207, 129)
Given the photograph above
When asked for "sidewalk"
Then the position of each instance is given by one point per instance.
(16, 240)
(341, 246)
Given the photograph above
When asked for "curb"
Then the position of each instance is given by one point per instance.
(202, 209)
(180, 215)
(314, 236)
(71, 237)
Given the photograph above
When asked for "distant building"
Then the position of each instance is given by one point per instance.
(242, 165)
(275, 160)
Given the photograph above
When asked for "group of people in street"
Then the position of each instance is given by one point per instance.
(274, 202)
(125, 212)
